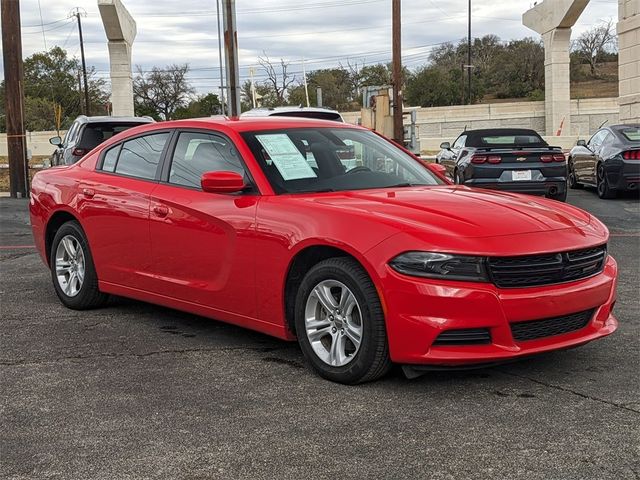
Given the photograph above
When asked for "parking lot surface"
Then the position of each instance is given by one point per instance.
(138, 391)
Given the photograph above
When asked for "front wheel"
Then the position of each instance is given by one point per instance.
(340, 323)
(602, 184)
(72, 270)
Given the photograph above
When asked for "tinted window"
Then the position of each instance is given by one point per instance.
(197, 153)
(140, 157)
(110, 159)
(631, 134)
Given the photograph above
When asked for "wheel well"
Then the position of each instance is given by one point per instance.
(55, 222)
(301, 264)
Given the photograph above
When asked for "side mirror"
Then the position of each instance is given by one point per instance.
(222, 182)
(445, 146)
(437, 169)
(581, 143)
(56, 141)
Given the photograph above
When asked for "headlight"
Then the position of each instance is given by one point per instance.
(441, 265)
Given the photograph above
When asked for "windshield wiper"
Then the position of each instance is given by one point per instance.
(397, 185)
(322, 190)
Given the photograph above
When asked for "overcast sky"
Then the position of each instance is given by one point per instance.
(324, 32)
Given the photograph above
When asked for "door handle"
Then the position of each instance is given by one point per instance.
(88, 192)
(161, 210)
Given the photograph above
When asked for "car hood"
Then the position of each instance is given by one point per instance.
(458, 211)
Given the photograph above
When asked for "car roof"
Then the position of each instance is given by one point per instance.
(247, 124)
(112, 119)
(500, 131)
(267, 111)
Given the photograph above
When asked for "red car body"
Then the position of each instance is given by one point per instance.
(228, 257)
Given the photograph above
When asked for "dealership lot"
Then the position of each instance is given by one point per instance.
(139, 391)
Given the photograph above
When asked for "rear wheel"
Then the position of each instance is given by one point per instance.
(340, 324)
(572, 179)
(458, 178)
(604, 191)
(72, 270)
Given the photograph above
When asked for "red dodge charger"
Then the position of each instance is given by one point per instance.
(325, 233)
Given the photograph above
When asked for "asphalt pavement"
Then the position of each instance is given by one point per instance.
(135, 391)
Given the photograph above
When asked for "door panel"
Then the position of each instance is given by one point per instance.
(202, 247)
(115, 214)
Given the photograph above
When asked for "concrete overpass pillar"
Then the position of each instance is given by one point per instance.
(629, 60)
(120, 28)
(553, 20)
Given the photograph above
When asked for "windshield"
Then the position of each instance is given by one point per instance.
(334, 159)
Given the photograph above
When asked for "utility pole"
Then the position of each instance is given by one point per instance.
(306, 87)
(220, 59)
(469, 55)
(231, 55)
(398, 129)
(14, 97)
(87, 108)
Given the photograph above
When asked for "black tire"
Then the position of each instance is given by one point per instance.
(457, 178)
(572, 179)
(372, 360)
(602, 184)
(88, 295)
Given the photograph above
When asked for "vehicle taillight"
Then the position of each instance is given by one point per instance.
(78, 152)
(479, 159)
(631, 155)
(494, 159)
(546, 158)
(559, 157)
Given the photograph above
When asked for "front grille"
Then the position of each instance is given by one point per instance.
(548, 327)
(464, 336)
(533, 270)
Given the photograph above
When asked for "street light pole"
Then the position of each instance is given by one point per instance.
(87, 108)
(398, 130)
(469, 55)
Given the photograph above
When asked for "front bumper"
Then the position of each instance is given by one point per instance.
(418, 310)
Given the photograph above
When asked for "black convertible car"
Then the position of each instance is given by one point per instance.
(609, 161)
(513, 159)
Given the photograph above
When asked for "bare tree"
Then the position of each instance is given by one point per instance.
(162, 90)
(278, 77)
(593, 43)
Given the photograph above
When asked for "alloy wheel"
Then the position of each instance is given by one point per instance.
(70, 265)
(333, 323)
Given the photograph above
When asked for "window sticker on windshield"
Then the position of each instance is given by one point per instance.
(286, 156)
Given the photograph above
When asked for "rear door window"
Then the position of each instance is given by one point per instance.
(140, 157)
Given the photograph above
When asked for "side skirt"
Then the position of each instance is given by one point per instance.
(279, 331)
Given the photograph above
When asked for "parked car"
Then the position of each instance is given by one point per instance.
(86, 133)
(609, 161)
(511, 159)
(306, 112)
(385, 262)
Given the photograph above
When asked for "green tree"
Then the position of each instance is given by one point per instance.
(335, 85)
(52, 78)
(203, 106)
(161, 91)
(433, 86)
